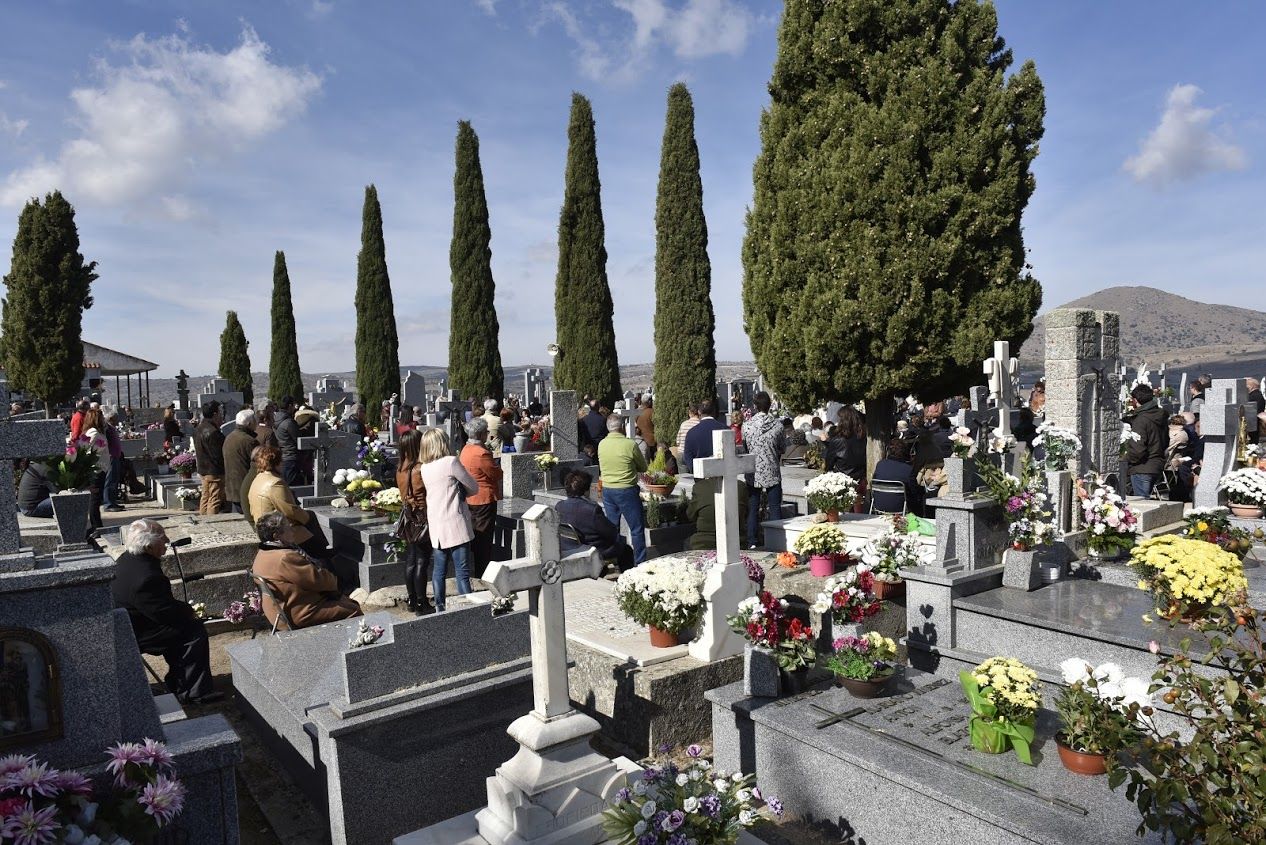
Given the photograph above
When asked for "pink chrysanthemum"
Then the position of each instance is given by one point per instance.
(163, 799)
(31, 826)
(120, 756)
(74, 783)
(156, 754)
(33, 779)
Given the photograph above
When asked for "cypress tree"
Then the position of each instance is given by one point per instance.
(48, 289)
(474, 356)
(235, 363)
(582, 297)
(685, 357)
(284, 378)
(884, 250)
(377, 346)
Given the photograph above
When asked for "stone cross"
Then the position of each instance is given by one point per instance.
(322, 473)
(26, 439)
(182, 390)
(727, 583)
(393, 415)
(978, 416)
(542, 574)
(1001, 369)
(455, 408)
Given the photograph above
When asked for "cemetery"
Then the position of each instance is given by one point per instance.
(931, 567)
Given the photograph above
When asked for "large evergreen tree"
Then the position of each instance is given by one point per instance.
(284, 378)
(884, 250)
(582, 297)
(377, 346)
(235, 362)
(48, 289)
(474, 356)
(685, 356)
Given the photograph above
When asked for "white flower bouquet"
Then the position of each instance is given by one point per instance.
(546, 461)
(664, 593)
(1245, 486)
(962, 441)
(889, 553)
(186, 493)
(1108, 519)
(831, 491)
(1061, 444)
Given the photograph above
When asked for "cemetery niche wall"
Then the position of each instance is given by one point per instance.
(30, 689)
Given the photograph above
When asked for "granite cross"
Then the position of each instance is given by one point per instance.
(1001, 370)
(542, 574)
(726, 583)
(453, 409)
(322, 470)
(26, 439)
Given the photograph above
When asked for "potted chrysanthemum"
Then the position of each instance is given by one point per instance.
(823, 543)
(1003, 694)
(887, 555)
(830, 493)
(1245, 491)
(1111, 524)
(863, 665)
(1187, 578)
(665, 595)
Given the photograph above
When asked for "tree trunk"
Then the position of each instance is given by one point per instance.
(880, 425)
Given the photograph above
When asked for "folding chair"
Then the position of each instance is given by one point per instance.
(1167, 482)
(267, 589)
(891, 488)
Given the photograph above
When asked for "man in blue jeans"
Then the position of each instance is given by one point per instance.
(766, 440)
(619, 462)
(1145, 454)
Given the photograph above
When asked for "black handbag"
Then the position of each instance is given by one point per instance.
(412, 526)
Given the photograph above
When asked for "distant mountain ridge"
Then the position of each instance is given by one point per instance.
(1157, 326)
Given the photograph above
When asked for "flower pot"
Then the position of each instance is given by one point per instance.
(889, 590)
(659, 489)
(185, 475)
(188, 504)
(1081, 763)
(72, 510)
(987, 738)
(833, 515)
(1246, 511)
(822, 566)
(793, 681)
(521, 442)
(869, 688)
(1111, 556)
(661, 638)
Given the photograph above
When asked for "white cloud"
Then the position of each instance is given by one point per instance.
(12, 126)
(488, 7)
(165, 108)
(320, 8)
(1183, 145)
(691, 29)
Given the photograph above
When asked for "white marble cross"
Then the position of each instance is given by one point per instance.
(542, 574)
(1001, 370)
(727, 583)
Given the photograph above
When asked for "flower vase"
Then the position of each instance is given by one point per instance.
(72, 510)
(793, 681)
(545, 474)
(1112, 556)
(188, 504)
(823, 566)
(869, 688)
(833, 515)
(889, 590)
(1246, 511)
(760, 672)
(988, 738)
(521, 442)
(661, 638)
(1080, 762)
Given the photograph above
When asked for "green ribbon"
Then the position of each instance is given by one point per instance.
(985, 720)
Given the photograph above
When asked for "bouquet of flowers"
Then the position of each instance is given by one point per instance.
(74, 469)
(664, 593)
(239, 611)
(831, 491)
(1101, 708)
(862, 658)
(184, 464)
(850, 596)
(387, 500)
(40, 804)
(962, 441)
(1112, 525)
(356, 485)
(1023, 503)
(370, 452)
(366, 634)
(1003, 694)
(668, 805)
(821, 538)
(199, 609)
(1213, 525)
(1188, 577)
(1062, 445)
(546, 461)
(762, 621)
(1245, 486)
(1000, 444)
(1128, 435)
(185, 493)
(890, 552)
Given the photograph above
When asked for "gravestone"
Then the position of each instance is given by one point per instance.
(564, 421)
(1083, 381)
(556, 787)
(413, 390)
(1220, 427)
(222, 391)
(453, 410)
(332, 450)
(25, 439)
(532, 385)
(182, 394)
(726, 583)
(329, 391)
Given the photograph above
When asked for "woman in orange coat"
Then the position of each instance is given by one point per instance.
(485, 468)
(307, 591)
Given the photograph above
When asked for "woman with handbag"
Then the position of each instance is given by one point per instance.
(447, 485)
(412, 527)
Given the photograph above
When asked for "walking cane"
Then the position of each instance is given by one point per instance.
(184, 581)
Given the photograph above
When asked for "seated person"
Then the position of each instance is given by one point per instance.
(268, 493)
(591, 524)
(162, 624)
(703, 513)
(896, 467)
(797, 443)
(35, 491)
(308, 592)
(941, 431)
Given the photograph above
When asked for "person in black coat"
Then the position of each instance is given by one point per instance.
(288, 441)
(35, 491)
(162, 624)
(897, 467)
(591, 524)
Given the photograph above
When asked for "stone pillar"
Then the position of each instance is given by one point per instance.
(564, 426)
(1082, 382)
(1220, 426)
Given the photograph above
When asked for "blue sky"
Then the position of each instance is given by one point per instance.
(196, 138)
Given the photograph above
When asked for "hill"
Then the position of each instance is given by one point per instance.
(1158, 326)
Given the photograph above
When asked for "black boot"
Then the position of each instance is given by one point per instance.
(410, 584)
(422, 576)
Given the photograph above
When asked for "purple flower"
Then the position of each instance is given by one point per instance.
(711, 806)
(678, 839)
(156, 754)
(664, 748)
(623, 794)
(74, 783)
(647, 839)
(675, 820)
(33, 779)
(14, 762)
(754, 572)
(756, 793)
(163, 799)
(650, 775)
(120, 756)
(30, 826)
(775, 806)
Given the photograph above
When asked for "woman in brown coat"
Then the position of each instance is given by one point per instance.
(307, 591)
(417, 558)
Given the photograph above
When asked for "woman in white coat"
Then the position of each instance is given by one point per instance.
(447, 485)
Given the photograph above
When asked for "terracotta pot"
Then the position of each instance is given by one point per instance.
(1246, 511)
(661, 638)
(865, 689)
(823, 566)
(889, 590)
(659, 489)
(833, 515)
(1079, 763)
